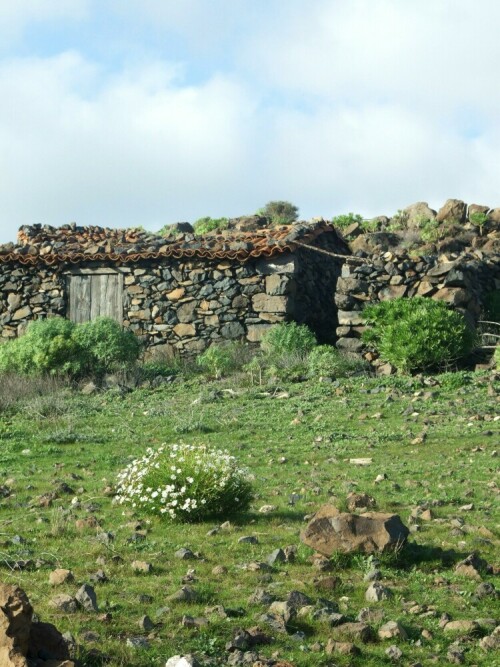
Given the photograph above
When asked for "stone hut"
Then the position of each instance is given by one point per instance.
(180, 292)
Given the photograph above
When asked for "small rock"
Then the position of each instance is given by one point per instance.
(184, 554)
(185, 594)
(142, 566)
(219, 570)
(267, 509)
(65, 603)
(342, 648)
(146, 624)
(392, 630)
(277, 556)
(86, 597)
(182, 661)
(455, 655)
(248, 539)
(60, 576)
(394, 653)
(376, 592)
(137, 642)
(463, 627)
(353, 631)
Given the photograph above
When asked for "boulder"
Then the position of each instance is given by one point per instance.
(331, 531)
(23, 641)
(418, 213)
(453, 210)
(15, 626)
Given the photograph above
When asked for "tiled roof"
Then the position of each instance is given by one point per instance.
(76, 245)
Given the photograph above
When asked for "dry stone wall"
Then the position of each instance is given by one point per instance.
(182, 306)
(462, 283)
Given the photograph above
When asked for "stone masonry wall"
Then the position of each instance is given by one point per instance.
(462, 283)
(27, 294)
(182, 305)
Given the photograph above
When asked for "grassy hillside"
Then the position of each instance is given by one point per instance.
(432, 444)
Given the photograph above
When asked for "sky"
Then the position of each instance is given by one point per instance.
(147, 112)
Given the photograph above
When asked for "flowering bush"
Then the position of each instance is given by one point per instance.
(185, 483)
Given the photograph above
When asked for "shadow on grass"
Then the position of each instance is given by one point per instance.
(413, 554)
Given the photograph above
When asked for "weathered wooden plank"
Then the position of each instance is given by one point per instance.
(85, 271)
(79, 299)
(95, 295)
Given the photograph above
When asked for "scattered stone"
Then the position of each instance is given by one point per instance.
(353, 631)
(360, 500)
(185, 594)
(463, 627)
(267, 509)
(60, 576)
(146, 624)
(65, 603)
(184, 554)
(485, 590)
(277, 556)
(142, 566)
(332, 531)
(194, 622)
(394, 653)
(86, 597)
(376, 592)
(342, 648)
(137, 642)
(220, 570)
(491, 642)
(392, 630)
(248, 539)
(455, 654)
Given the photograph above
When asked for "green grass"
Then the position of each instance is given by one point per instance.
(301, 445)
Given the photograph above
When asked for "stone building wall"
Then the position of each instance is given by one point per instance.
(183, 305)
(462, 283)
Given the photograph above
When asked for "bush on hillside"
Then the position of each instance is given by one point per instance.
(279, 213)
(106, 344)
(56, 346)
(217, 360)
(496, 358)
(288, 338)
(207, 224)
(186, 483)
(418, 333)
(47, 346)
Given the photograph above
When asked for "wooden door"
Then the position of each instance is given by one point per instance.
(96, 294)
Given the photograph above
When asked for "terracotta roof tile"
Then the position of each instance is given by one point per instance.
(73, 244)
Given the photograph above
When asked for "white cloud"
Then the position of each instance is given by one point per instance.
(364, 106)
(142, 150)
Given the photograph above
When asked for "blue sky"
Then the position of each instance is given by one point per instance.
(147, 112)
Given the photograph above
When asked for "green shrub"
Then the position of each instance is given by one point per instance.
(186, 483)
(56, 346)
(106, 345)
(327, 361)
(206, 225)
(479, 220)
(279, 212)
(417, 333)
(47, 346)
(347, 219)
(496, 357)
(288, 338)
(217, 360)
